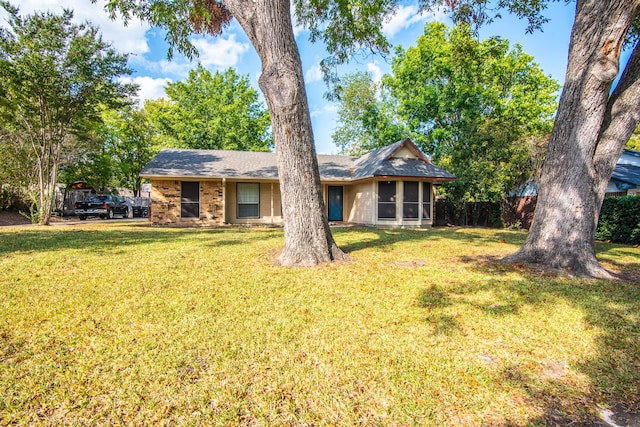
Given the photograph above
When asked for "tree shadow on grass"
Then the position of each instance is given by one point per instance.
(383, 238)
(610, 307)
(98, 240)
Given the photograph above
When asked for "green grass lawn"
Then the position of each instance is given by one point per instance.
(120, 323)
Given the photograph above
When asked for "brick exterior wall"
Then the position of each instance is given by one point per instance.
(211, 202)
(165, 203)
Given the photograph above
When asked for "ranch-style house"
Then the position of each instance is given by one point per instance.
(391, 186)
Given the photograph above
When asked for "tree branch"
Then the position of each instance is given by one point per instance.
(621, 118)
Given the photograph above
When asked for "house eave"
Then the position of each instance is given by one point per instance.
(228, 178)
(420, 178)
(206, 178)
(263, 179)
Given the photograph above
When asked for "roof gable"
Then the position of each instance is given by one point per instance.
(401, 159)
(407, 150)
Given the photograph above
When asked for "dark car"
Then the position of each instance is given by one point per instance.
(102, 206)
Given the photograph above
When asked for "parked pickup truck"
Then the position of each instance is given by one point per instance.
(101, 205)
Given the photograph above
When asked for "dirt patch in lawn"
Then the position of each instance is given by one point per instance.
(12, 218)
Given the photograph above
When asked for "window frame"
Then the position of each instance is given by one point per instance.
(427, 190)
(415, 215)
(186, 200)
(239, 203)
(387, 203)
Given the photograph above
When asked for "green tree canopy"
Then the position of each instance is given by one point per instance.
(115, 151)
(366, 115)
(54, 76)
(129, 138)
(634, 141)
(91, 161)
(480, 108)
(214, 111)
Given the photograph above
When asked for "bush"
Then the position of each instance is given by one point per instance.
(620, 220)
(13, 199)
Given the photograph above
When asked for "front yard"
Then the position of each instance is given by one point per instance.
(121, 323)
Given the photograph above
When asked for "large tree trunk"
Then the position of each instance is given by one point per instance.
(307, 237)
(590, 131)
(621, 119)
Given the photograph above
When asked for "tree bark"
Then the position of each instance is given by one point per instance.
(307, 237)
(590, 131)
(621, 119)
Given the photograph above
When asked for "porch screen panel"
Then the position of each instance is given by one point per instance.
(426, 200)
(190, 200)
(248, 195)
(410, 201)
(386, 200)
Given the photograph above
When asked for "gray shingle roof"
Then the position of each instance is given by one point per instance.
(211, 164)
(179, 163)
(627, 176)
(381, 163)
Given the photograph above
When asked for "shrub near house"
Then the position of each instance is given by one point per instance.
(620, 220)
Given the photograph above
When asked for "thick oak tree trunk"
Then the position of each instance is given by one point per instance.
(590, 131)
(307, 237)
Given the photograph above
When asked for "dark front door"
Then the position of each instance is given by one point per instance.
(335, 203)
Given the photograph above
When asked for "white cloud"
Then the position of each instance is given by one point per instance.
(150, 88)
(220, 52)
(375, 71)
(407, 16)
(313, 74)
(177, 67)
(126, 39)
(324, 109)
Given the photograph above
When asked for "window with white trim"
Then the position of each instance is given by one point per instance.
(248, 199)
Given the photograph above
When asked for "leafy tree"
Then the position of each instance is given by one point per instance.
(158, 111)
(268, 25)
(215, 111)
(91, 161)
(53, 76)
(634, 141)
(15, 153)
(593, 123)
(129, 139)
(366, 115)
(480, 106)
(14, 177)
(115, 151)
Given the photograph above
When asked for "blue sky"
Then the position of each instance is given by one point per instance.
(232, 49)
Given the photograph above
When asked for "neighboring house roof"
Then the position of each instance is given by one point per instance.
(260, 165)
(630, 157)
(626, 176)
